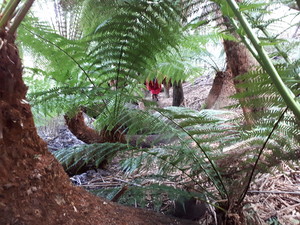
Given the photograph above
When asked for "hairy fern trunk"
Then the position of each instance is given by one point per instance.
(221, 91)
(239, 61)
(178, 96)
(25, 162)
(215, 90)
(77, 126)
(167, 85)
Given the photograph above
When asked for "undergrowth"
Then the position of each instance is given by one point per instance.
(212, 155)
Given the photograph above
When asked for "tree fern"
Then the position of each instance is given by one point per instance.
(73, 159)
(207, 147)
(115, 52)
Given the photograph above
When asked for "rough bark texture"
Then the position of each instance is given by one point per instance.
(167, 85)
(177, 93)
(215, 90)
(239, 61)
(34, 189)
(77, 126)
(220, 92)
(228, 89)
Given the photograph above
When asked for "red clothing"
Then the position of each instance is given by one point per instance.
(154, 87)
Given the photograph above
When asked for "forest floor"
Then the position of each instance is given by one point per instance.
(273, 197)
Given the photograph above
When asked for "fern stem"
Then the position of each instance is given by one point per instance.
(20, 16)
(118, 99)
(280, 51)
(8, 11)
(266, 63)
(259, 155)
(183, 172)
(207, 157)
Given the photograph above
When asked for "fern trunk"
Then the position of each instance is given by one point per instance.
(178, 96)
(239, 61)
(167, 85)
(215, 90)
(265, 61)
(220, 92)
(77, 126)
(30, 176)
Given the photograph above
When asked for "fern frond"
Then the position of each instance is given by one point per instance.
(157, 193)
(87, 155)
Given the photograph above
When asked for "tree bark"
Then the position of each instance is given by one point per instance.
(34, 189)
(239, 61)
(167, 85)
(215, 90)
(298, 3)
(77, 126)
(178, 96)
(221, 91)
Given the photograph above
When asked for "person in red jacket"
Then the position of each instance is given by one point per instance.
(154, 87)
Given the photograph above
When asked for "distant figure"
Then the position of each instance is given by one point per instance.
(154, 87)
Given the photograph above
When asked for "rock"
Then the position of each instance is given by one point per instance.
(191, 209)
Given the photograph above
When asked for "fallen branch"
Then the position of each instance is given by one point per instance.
(119, 194)
(274, 192)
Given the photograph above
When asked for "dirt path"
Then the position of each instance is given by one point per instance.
(195, 93)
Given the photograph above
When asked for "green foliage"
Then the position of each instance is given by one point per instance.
(91, 155)
(202, 141)
(262, 96)
(132, 46)
(183, 64)
(156, 195)
(61, 59)
(140, 39)
(195, 132)
(82, 68)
